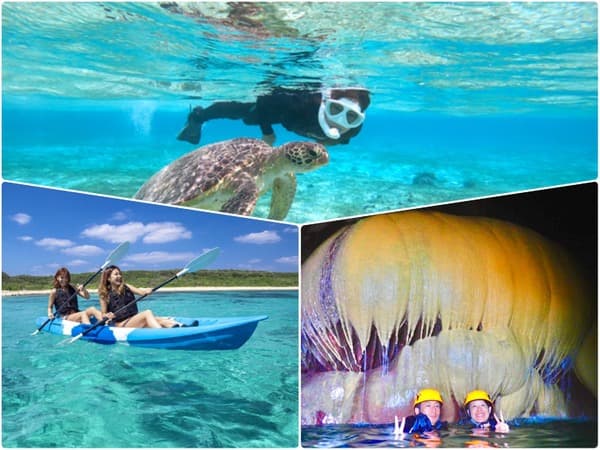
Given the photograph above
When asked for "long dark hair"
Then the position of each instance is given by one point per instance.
(104, 287)
(64, 272)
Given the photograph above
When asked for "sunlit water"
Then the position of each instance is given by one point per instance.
(537, 433)
(90, 395)
(467, 99)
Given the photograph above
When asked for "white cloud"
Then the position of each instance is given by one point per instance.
(119, 216)
(287, 260)
(25, 238)
(83, 250)
(264, 237)
(77, 262)
(159, 233)
(131, 231)
(290, 230)
(152, 233)
(21, 218)
(52, 243)
(159, 257)
(254, 261)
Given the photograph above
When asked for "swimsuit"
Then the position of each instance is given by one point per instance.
(65, 301)
(117, 301)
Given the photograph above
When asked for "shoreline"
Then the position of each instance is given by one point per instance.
(166, 289)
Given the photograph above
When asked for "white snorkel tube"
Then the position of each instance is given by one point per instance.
(330, 132)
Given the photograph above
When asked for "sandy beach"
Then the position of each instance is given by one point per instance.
(166, 289)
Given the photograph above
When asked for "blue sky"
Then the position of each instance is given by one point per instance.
(44, 229)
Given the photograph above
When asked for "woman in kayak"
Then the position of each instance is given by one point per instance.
(480, 412)
(428, 410)
(63, 297)
(116, 301)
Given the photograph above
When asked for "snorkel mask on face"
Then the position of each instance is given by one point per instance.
(339, 114)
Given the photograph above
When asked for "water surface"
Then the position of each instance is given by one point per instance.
(538, 433)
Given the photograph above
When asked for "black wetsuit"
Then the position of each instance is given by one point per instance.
(421, 423)
(65, 301)
(296, 110)
(489, 425)
(117, 301)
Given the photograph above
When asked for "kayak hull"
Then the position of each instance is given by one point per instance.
(211, 333)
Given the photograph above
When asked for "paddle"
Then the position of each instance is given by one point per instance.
(194, 265)
(114, 256)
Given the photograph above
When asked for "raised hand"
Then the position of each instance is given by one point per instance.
(399, 429)
(501, 425)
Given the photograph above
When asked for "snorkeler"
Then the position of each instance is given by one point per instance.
(479, 409)
(332, 116)
(428, 410)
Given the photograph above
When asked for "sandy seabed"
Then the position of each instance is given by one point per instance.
(176, 289)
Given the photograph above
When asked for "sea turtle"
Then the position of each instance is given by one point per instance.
(230, 176)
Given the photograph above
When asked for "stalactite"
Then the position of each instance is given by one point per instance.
(461, 303)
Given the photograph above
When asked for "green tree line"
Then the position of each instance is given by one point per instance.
(145, 278)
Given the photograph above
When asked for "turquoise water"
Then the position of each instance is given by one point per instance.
(468, 99)
(538, 433)
(89, 395)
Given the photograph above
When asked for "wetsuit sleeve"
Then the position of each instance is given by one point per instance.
(295, 110)
(418, 424)
(441, 425)
(492, 421)
(422, 424)
(410, 421)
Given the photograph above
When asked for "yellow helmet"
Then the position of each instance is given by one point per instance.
(425, 395)
(477, 395)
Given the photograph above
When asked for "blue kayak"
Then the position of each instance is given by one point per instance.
(201, 333)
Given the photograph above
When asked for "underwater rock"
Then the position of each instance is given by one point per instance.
(398, 302)
(469, 184)
(425, 179)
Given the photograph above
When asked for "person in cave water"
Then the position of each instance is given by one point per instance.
(479, 409)
(428, 410)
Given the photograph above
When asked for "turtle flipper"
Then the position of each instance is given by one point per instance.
(284, 190)
(244, 200)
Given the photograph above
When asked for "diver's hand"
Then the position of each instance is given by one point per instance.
(501, 425)
(109, 317)
(399, 429)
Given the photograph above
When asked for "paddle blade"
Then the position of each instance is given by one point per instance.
(73, 339)
(205, 259)
(116, 254)
(64, 342)
(40, 327)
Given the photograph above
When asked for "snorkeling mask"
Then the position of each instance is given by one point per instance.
(341, 112)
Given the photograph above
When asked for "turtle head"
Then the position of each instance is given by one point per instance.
(305, 156)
